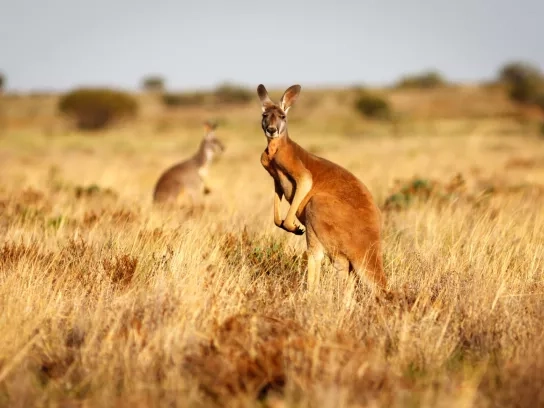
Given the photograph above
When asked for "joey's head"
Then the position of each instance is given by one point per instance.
(211, 146)
(274, 120)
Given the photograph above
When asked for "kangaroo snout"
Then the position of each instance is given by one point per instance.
(271, 129)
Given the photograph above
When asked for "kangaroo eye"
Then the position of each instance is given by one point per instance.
(282, 117)
(265, 114)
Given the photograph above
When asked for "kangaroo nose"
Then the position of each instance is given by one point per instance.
(271, 129)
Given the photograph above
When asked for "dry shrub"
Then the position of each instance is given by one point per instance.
(515, 371)
(92, 268)
(28, 206)
(12, 253)
(54, 362)
(123, 216)
(518, 383)
(31, 196)
(113, 217)
(90, 218)
(521, 163)
(121, 269)
(256, 355)
(151, 235)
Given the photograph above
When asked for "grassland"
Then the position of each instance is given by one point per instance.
(107, 301)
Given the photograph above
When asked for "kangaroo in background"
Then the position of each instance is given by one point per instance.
(186, 181)
(336, 210)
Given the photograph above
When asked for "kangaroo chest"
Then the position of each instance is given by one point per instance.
(270, 164)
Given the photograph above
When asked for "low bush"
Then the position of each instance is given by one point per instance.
(153, 83)
(373, 106)
(97, 108)
(232, 94)
(524, 81)
(173, 100)
(514, 72)
(425, 80)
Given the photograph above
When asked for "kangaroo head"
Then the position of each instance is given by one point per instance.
(211, 145)
(274, 121)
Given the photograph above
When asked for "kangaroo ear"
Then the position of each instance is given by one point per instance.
(289, 97)
(209, 126)
(263, 96)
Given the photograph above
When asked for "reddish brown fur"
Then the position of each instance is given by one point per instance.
(338, 211)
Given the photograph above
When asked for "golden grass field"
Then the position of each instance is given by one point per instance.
(107, 301)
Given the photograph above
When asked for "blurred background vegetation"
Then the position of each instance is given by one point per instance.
(515, 95)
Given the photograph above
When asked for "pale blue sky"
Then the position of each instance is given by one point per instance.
(58, 44)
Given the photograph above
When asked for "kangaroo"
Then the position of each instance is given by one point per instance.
(335, 209)
(187, 180)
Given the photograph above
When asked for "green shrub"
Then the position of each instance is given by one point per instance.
(2, 82)
(524, 81)
(373, 106)
(425, 80)
(153, 83)
(526, 90)
(518, 71)
(411, 191)
(96, 108)
(232, 94)
(173, 100)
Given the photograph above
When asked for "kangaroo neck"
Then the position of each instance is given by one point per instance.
(277, 143)
(202, 157)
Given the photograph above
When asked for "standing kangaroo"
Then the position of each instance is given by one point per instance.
(336, 210)
(187, 180)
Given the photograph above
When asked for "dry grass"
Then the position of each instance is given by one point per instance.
(106, 301)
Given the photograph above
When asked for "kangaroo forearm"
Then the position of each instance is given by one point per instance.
(303, 187)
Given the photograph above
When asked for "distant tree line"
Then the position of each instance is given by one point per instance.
(523, 81)
(97, 108)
